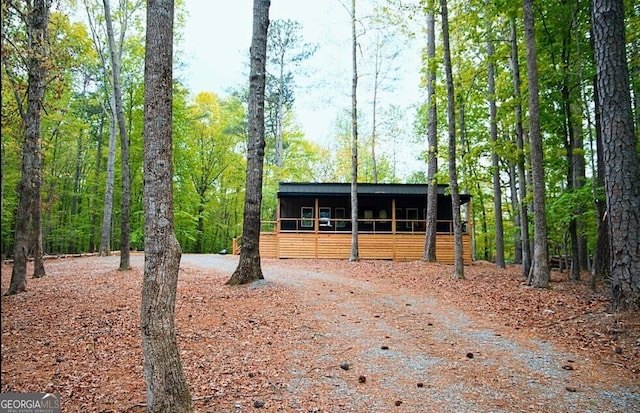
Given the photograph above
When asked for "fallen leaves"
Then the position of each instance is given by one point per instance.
(76, 332)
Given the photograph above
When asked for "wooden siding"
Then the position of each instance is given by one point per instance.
(399, 247)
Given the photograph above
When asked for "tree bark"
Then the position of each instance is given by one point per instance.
(539, 274)
(105, 234)
(124, 142)
(354, 138)
(458, 267)
(167, 389)
(495, 159)
(601, 257)
(622, 171)
(249, 268)
(522, 177)
(109, 110)
(432, 141)
(569, 141)
(28, 220)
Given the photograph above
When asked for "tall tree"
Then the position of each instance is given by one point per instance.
(354, 256)
(493, 132)
(523, 213)
(249, 268)
(29, 215)
(622, 171)
(602, 254)
(167, 389)
(116, 56)
(385, 54)
(539, 276)
(285, 48)
(109, 111)
(432, 139)
(458, 267)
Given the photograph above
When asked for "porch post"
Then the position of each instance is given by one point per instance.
(278, 216)
(393, 226)
(317, 227)
(316, 221)
(393, 216)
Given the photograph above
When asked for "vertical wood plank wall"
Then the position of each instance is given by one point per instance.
(399, 247)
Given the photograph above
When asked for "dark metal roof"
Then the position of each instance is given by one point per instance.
(297, 189)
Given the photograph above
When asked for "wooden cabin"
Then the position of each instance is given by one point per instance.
(314, 221)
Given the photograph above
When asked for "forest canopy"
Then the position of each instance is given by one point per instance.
(79, 130)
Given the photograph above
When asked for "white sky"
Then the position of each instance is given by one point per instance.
(216, 41)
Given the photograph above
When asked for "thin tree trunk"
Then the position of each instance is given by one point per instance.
(569, 145)
(374, 109)
(432, 140)
(94, 200)
(105, 238)
(38, 250)
(495, 159)
(167, 389)
(579, 181)
(124, 143)
(522, 177)
(515, 202)
(540, 270)
(249, 269)
(622, 166)
(29, 216)
(280, 118)
(458, 267)
(601, 259)
(110, 113)
(354, 138)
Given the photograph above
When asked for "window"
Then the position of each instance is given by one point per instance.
(307, 217)
(325, 216)
(368, 216)
(412, 217)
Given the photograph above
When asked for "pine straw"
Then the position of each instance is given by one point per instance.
(305, 342)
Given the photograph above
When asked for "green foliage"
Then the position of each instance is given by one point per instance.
(210, 131)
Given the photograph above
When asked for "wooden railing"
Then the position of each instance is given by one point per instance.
(365, 225)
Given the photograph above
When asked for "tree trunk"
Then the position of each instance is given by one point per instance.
(94, 200)
(354, 138)
(432, 140)
(167, 389)
(105, 237)
(374, 109)
(458, 267)
(622, 170)
(539, 276)
(280, 120)
(249, 268)
(495, 159)
(29, 209)
(579, 181)
(515, 202)
(124, 142)
(109, 111)
(522, 177)
(601, 259)
(569, 142)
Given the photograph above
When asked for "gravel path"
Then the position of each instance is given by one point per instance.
(377, 349)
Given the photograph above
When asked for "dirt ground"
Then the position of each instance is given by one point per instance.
(326, 336)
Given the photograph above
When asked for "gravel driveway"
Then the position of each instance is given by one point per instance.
(376, 349)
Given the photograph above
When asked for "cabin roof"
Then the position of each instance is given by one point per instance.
(297, 189)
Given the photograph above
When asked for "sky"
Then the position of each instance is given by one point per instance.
(217, 36)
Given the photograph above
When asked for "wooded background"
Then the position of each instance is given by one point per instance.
(82, 158)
